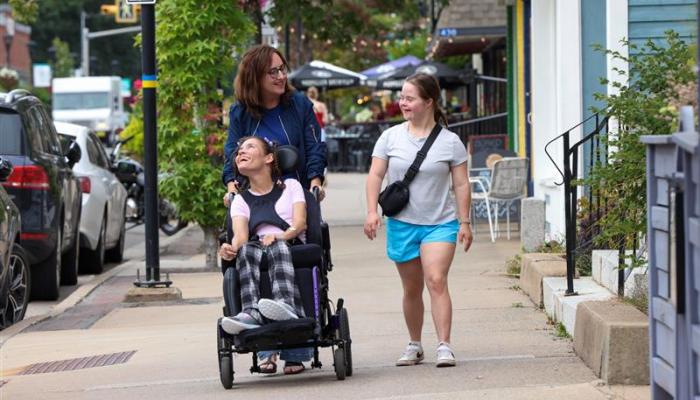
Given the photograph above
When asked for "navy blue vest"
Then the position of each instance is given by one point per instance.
(262, 210)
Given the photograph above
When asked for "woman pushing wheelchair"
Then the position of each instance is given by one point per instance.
(266, 216)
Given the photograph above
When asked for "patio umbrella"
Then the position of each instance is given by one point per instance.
(448, 77)
(324, 75)
(391, 66)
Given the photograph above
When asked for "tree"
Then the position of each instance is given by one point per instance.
(63, 64)
(25, 10)
(61, 18)
(195, 45)
(350, 33)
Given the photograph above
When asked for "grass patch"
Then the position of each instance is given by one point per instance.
(560, 331)
(513, 265)
(514, 287)
(517, 305)
(552, 246)
(638, 300)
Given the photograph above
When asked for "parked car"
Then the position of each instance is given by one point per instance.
(102, 223)
(15, 282)
(45, 190)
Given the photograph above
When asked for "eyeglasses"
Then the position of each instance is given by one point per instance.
(282, 69)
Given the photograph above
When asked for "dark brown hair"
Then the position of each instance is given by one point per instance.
(268, 148)
(429, 89)
(251, 71)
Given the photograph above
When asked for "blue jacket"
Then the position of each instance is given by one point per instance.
(300, 124)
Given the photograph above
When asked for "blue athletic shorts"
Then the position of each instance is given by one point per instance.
(403, 240)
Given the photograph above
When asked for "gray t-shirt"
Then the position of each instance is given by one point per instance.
(431, 201)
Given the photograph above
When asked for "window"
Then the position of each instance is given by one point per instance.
(11, 133)
(80, 101)
(96, 153)
(104, 158)
(48, 131)
(35, 133)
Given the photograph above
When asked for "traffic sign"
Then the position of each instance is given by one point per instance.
(126, 14)
(141, 1)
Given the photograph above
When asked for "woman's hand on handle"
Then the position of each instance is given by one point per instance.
(372, 224)
(465, 236)
(231, 190)
(317, 184)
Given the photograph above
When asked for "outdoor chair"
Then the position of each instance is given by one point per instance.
(506, 185)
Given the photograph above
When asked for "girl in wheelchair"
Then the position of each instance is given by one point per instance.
(267, 216)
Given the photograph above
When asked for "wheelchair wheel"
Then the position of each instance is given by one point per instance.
(225, 358)
(344, 329)
(339, 363)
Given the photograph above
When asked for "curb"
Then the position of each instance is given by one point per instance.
(84, 290)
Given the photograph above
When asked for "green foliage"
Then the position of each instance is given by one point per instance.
(25, 11)
(355, 34)
(338, 21)
(552, 246)
(63, 64)
(560, 331)
(642, 107)
(195, 41)
(415, 46)
(134, 130)
(513, 265)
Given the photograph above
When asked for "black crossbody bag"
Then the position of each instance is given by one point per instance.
(394, 197)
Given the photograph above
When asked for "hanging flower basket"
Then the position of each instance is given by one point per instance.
(9, 78)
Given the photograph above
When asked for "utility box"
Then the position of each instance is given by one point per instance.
(673, 233)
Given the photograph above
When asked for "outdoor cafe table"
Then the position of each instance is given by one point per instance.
(343, 140)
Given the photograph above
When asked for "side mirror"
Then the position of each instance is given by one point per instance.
(73, 154)
(5, 169)
(125, 168)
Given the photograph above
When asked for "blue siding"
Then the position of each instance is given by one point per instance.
(649, 19)
(594, 66)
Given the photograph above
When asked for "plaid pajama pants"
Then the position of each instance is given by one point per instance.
(281, 274)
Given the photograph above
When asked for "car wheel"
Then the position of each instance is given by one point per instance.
(69, 264)
(20, 286)
(46, 275)
(94, 260)
(116, 254)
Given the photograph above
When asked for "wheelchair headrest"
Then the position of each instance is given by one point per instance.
(288, 157)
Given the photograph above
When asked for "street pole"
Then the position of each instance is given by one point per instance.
(84, 45)
(148, 45)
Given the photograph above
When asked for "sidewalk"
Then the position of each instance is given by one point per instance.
(505, 348)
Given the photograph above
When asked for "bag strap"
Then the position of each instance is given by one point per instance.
(420, 156)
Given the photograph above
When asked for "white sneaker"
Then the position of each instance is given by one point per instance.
(276, 310)
(239, 323)
(445, 356)
(412, 355)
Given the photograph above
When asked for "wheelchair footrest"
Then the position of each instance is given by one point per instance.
(281, 333)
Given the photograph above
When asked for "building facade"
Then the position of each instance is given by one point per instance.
(556, 72)
(18, 41)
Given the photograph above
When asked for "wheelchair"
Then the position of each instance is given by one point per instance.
(326, 324)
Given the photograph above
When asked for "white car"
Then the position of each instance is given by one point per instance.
(102, 229)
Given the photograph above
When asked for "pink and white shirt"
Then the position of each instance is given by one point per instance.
(293, 193)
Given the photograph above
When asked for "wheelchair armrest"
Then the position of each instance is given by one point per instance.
(325, 236)
(231, 301)
(306, 255)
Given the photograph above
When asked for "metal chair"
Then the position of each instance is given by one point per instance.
(507, 184)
